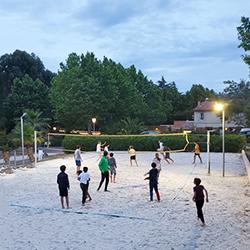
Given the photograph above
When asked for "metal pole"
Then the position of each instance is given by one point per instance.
(22, 139)
(94, 127)
(208, 151)
(15, 158)
(48, 141)
(223, 143)
(35, 146)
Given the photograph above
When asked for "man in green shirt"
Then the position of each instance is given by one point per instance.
(104, 168)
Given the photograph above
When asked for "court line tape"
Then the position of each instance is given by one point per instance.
(69, 211)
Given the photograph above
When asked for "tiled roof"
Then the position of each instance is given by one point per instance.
(205, 106)
(183, 124)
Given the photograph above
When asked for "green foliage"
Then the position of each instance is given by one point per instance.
(233, 143)
(17, 65)
(26, 94)
(238, 97)
(5, 142)
(244, 37)
(32, 121)
(193, 96)
(247, 114)
(131, 126)
(86, 88)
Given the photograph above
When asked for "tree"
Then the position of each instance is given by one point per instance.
(131, 126)
(4, 146)
(238, 94)
(86, 87)
(194, 95)
(33, 121)
(26, 94)
(162, 82)
(17, 65)
(244, 37)
(247, 114)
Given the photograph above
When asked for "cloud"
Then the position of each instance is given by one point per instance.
(186, 41)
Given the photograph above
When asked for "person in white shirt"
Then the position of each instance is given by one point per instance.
(106, 148)
(84, 179)
(157, 161)
(78, 158)
(99, 146)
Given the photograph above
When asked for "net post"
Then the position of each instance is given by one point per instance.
(35, 146)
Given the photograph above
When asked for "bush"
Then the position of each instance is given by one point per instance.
(233, 143)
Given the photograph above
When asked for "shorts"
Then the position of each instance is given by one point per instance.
(132, 157)
(196, 153)
(63, 192)
(112, 171)
(78, 163)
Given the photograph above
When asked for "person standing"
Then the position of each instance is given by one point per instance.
(99, 147)
(157, 161)
(132, 154)
(197, 152)
(112, 166)
(167, 155)
(78, 158)
(104, 168)
(198, 198)
(63, 186)
(84, 179)
(153, 181)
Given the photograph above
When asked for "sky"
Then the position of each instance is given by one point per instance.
(189, 42)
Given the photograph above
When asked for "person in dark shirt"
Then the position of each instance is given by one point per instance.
(153, 181)
(63, 185)
(198, 198)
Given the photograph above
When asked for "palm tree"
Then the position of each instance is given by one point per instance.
(34, 121)
(131, 126)
(4, 146)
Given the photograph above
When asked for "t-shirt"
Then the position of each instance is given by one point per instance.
(63, 180)
(98, 147)
(77, 155)
(103, 164)
(153, 175)
(199, 195)
(131, 152)
(158, 163)
(112, 162)
(84, 177)
(161, 146)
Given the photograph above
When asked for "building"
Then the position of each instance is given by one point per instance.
(205, 117)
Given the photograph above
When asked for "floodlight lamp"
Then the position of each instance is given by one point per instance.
(94, 120)
(24, 114)
(219, 106)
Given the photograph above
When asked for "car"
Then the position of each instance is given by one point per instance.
(245, 131)
(149, 132)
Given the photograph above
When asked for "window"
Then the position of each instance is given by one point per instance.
(202, 116)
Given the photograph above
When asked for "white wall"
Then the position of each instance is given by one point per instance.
(211, 119)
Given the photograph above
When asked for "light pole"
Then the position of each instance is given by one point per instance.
(220, 107)
(208, 150)
(93, 121)
(22, 139)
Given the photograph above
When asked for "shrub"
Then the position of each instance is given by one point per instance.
(233, 143)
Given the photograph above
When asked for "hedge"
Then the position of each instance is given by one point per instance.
(233, 143)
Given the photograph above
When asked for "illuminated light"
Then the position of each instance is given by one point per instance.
(219, 106)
